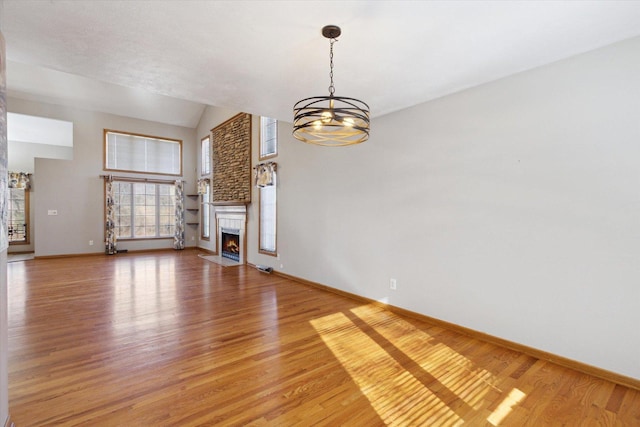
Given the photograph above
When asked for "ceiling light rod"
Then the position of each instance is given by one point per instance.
(331, 121)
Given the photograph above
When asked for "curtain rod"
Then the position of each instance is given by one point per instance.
(128, 178)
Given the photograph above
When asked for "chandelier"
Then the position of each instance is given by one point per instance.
(332, 121)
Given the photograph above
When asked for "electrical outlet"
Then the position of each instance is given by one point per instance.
(393, 284)
(90, 242)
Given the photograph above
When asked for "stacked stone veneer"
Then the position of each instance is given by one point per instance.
(231, 155)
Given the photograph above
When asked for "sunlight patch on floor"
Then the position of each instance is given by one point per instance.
(451, 369)
(515, 396)
(395, 394)
(408, 376)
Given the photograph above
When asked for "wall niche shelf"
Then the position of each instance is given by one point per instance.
(193, 218)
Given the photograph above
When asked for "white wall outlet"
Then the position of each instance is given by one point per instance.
(281, 266)
(393, 284)
(52, 212)
(90, 242)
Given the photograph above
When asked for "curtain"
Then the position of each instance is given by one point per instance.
(20, 180)
(178, 237)
(110, 231)
(265, 174)
(202, 185)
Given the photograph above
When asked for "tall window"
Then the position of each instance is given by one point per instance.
(205, 154)
(140, 153)
(267, 222)
(18, 216)
(204, 213)
(268, 137)
(144, 210)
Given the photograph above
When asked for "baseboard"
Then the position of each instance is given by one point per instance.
(137, 251)
(539, 354)
(18, 252)
(68, 255)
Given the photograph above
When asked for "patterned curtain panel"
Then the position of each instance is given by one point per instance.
(178, 237)
(110, 232)
(202, 185)
(264, 174)
(20, 180)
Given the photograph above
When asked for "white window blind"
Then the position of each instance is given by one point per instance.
(206, 224)
(205, 154)
(268, 218)
(268, 137)
(136, 153)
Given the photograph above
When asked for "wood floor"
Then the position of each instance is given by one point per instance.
(168, 338)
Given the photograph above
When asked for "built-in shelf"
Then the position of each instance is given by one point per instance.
(193, 211)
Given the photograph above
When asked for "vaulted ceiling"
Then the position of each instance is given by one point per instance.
(166, 60)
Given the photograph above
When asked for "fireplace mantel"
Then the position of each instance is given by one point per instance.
(242, 203)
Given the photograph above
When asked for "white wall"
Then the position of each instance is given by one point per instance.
(21, 158)
(73, 188)
(512, 208)
(22, 154)
(4, 339)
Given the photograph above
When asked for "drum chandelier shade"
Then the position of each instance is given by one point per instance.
(332, 121)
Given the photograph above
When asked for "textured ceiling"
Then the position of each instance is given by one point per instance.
(164, 60)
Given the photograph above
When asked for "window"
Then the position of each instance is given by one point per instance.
(18, 216)
(267, 222)
(205, 154)
(139, 153)
(204, 213)
(144, 210)
(268, 137)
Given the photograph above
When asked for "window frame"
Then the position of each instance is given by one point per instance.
(157, 215)
(27, 213)
(264, 122)
(140, 135)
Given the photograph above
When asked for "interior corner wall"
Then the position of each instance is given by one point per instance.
(511, 208)
(4, 305)
(73, 187)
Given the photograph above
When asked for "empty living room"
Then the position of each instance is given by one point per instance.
(295, 213)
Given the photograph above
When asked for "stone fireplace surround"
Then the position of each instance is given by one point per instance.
(232, 218)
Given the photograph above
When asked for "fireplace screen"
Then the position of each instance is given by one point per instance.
(231, 244)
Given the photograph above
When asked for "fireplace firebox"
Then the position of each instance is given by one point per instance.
(230, 243)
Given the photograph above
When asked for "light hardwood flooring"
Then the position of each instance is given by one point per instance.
(170, 339)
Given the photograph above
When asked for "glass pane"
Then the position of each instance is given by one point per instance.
(268, 136)
(142, 154)
(153, 210)
(268, 218)
(17, 215)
